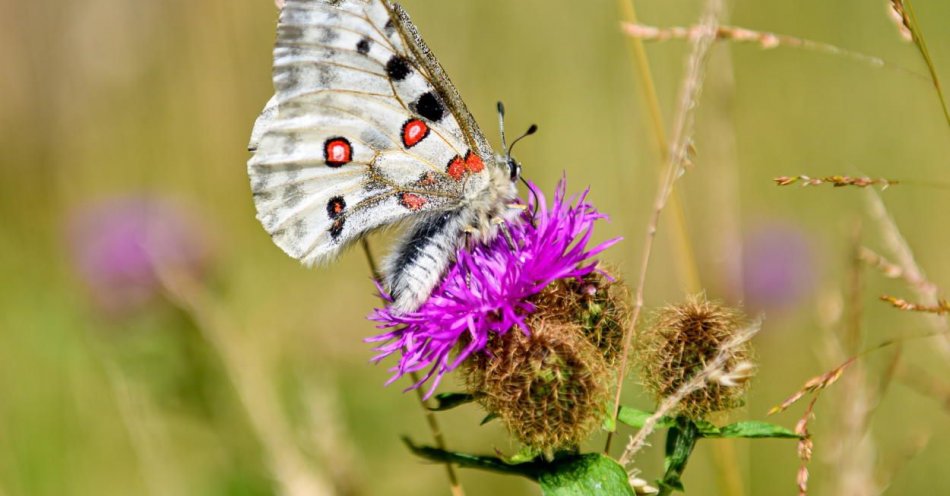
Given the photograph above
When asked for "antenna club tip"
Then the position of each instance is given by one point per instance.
(501, 108)
(531, 130)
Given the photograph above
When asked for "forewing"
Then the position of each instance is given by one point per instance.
(357, 135)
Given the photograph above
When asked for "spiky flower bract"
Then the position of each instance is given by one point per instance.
(550, 387)
(679, 344)
(489, 289)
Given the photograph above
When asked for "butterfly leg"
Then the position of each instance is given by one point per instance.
(522, 207)
(503, 228)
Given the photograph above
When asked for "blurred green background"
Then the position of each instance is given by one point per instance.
(257, 382)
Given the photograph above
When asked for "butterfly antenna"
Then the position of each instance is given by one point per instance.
(531, 130)
(501, 125)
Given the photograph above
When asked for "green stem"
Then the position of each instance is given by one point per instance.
(680, 441)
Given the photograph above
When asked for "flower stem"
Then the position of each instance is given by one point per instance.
(432, 422)
(437, 436)
(680, 441)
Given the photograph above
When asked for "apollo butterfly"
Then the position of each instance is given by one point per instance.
(366, 130)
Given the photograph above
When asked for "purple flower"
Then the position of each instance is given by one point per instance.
(778, 266)
(489, 288)
(117, 244)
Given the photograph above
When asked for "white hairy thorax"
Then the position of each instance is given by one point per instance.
(364, 131)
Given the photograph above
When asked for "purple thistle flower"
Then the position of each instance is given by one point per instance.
(489, 288)
(117, 243)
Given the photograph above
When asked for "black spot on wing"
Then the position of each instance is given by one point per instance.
(398, 68)
(363, 46)
(335, 207)
(429, 106)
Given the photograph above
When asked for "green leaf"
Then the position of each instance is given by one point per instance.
(636, 418)
(448, 401)
(755, 429)
(567, 475)
(584, 475)
(707, 429)
(489, 463)
(488, 418)
(609, 424)
(680, 441)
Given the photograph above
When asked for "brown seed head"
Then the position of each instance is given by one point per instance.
(681, 341)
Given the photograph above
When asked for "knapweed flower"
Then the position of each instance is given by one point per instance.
(679, 344)
(117, 245)
(491, 288)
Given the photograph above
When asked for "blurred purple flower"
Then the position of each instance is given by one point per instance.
(778, 267)
(117, 245)
(489, 288)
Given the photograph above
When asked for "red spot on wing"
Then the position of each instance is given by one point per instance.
(412, 202)
(413, 132)
(337, 152)
(474, 163)
(428, 179)
(456, 168)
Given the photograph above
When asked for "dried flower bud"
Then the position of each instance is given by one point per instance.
(598, 303)
(550, 386)
(642, 487)
(682, 340)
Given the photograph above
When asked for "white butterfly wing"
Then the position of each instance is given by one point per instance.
(356, 136)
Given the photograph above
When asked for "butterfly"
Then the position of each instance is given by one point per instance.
(365, 131)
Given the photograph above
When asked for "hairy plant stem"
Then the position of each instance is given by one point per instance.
(431, 421)
(686, 259)
(676, 160)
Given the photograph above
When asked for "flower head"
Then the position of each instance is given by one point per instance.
(489, 290)
(550, 388)
(117, 245)
(683, 339)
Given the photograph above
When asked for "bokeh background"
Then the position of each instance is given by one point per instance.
(123, 130)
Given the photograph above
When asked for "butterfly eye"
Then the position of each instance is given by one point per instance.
(514, 168)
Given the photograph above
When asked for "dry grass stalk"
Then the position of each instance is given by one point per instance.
(814, 384)
(925, 383)
(927, 292)
(696, 383)
(897, 14)
(941, 308)
(294, 473)
(454, 484)
(836, 181)
(902, 11)
(894, 271)
(678, 158)
(764, 39)
(805, 447)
